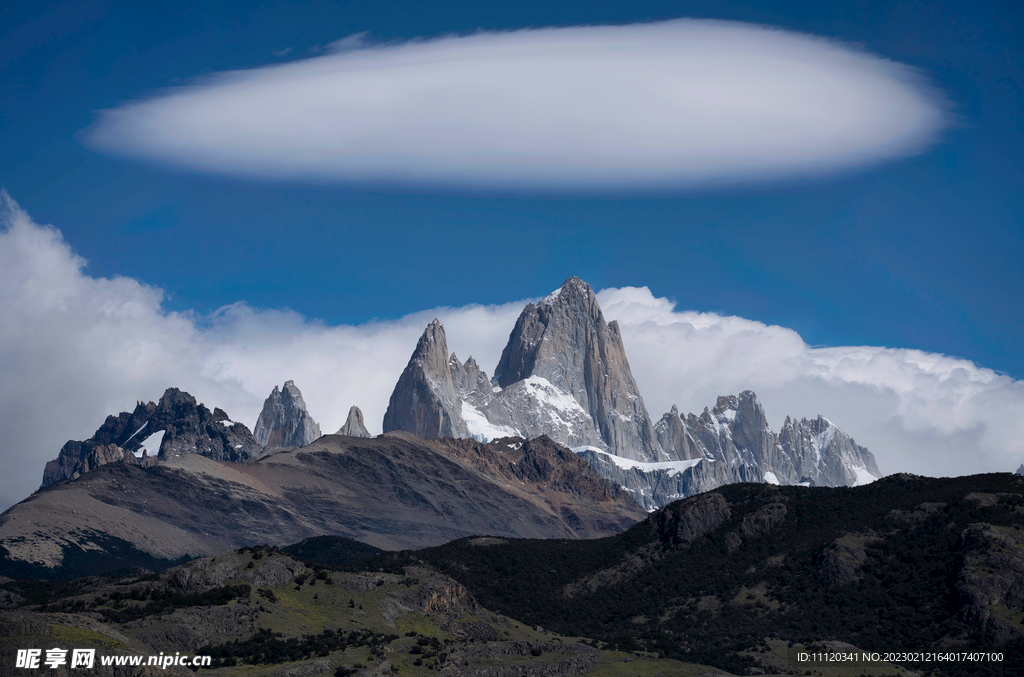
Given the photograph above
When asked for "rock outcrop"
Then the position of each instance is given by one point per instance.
(483, 410)
(991, 580)
(177, 424)
(354, 426)
(284, 421)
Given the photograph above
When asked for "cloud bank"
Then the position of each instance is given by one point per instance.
(74, 348)
(654, 105)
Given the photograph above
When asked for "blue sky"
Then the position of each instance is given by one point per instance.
(918, 252)
(179, 259)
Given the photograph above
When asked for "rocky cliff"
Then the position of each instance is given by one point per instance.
(354, 426)
(284, 421)
(177, 424)
(654, 485)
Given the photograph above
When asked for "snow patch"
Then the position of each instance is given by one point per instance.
(824, 438)
(729, 414)
(480, 428)
(550, 298)
(670, 467)
(863, 477)
(555, 401)
(151, 445)
(137, 431)
(226, 423)
(770, 478)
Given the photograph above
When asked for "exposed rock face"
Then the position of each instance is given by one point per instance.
(175, 425)
(675, 438)
(1020, 470)
(734, 443)
(841, 560)
(991, 578)
(425, 401)
(284, 421)
(354, 426)
(736, 431)
(694, 519)
(563, 346)
(192, 429)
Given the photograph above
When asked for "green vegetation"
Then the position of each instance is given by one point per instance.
(711, 602)
(334, 551)
(899, 565)
(116, 607)
(273, 647)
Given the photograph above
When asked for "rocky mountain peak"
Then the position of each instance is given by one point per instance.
(563, 373)
(354, 426)
(432, 351)
(726, 403)
(564, 346)
(750, 427)
(284, 421)
(175, 402)
(426, 401)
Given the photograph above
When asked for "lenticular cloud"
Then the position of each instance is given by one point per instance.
(646, 105)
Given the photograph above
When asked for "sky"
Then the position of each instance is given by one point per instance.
(818, 201)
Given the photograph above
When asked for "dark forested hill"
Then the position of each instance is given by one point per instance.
(904, 564)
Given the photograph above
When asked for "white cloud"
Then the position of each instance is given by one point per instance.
(918, 412)
(604, 107)
(75, 348)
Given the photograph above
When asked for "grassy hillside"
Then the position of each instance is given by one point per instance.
(260, 611)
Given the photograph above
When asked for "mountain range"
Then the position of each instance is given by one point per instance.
(564, 374)
(740, 580)
(558, 444)
(546, 493)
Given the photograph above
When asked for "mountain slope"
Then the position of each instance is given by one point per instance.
(394, 491)
(260, 612)
(903, 564)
